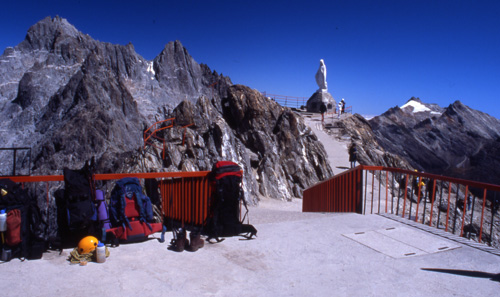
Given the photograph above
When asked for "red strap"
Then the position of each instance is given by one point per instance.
(13, 234)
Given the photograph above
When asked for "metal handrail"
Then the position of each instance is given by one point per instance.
(147, 136)
(289, 101)
(14, 158)
(397, 193)
(152, 134)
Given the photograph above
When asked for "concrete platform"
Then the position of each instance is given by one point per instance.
(295, 254)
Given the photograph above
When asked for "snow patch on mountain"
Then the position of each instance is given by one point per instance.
(151, 70)
(417, 106)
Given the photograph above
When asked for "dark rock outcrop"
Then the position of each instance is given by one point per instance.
(369, 149)
(280, 153)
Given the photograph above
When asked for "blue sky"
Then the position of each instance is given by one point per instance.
(378, 53)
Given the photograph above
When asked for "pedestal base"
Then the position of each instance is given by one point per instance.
(314, 103)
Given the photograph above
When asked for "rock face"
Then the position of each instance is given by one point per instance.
(280, 153)
(369, 150)
(70, 98)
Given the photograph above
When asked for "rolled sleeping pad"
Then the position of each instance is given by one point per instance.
(102, 209)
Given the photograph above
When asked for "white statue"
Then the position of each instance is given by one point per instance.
(321, 76)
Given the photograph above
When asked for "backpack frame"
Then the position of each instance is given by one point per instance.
(227, 198)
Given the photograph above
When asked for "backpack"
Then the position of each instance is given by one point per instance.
(225, 201)
(23, 219)
(131, 213)
(76, 209)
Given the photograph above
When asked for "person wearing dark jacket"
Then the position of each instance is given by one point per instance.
(353, 155)
(322, 109)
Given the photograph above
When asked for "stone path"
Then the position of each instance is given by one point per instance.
(336, 150)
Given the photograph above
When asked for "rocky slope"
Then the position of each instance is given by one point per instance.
(69, 98)
(369, 150)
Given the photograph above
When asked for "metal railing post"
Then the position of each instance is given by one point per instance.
(464, 210)
(366, 189)
(448, 209)
(482, 215)
(456, 209)
(433, 198)
(406, 195)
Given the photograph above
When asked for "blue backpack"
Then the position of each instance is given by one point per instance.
(129, 188)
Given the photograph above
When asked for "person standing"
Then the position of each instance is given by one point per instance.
(339, 110)
(322, 109)
(353, 155)
(343, 105)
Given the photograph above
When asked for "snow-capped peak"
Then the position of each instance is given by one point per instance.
(417, 106)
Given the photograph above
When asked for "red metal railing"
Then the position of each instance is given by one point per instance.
(186, 200)
(341, 193)
(185, 195)
(151, 133)
(455, 205)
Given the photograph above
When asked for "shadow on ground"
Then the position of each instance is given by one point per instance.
(469, 273)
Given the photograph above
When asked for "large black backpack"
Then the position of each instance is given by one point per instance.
(226, 200)
(23, 222)
(76, 209)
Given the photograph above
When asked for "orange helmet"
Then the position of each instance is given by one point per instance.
(87, 245)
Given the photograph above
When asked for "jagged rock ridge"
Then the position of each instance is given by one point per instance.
(70, 98)
(455, 141)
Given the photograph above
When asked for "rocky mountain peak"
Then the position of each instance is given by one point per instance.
(473, 122)
(416, 106)
(49, 33)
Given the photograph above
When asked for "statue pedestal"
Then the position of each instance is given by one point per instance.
(314, 103)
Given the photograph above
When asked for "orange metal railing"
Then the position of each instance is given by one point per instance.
(151, 133)
(185, 195)
(341, 193)
(186, 200)
(458, 206)
(156, 127)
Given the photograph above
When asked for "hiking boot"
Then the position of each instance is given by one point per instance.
(181, 242)
(196, 241)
